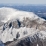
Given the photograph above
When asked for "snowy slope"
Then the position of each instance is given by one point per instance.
(9, 15)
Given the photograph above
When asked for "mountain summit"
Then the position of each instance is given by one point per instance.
(21, 25)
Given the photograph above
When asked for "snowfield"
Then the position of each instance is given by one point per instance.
(10, 13)
(21, 24)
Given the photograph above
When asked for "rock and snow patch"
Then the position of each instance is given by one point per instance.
(10, 15)
(42, 35)
(10, 34)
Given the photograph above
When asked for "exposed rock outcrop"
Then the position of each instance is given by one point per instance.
(26, 23)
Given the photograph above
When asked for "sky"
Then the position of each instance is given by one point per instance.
(22, 1)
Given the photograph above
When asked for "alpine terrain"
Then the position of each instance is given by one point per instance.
(21, 28)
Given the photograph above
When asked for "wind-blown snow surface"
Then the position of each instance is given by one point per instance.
(10, 14)
(7, 14)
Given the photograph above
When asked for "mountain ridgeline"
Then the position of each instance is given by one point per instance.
(21, 28)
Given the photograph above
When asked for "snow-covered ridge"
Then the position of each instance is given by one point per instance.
(31, 24)
(10, 13)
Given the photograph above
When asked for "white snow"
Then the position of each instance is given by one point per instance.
(10, 13)
(42, 35)
(37, 45)
(7, 36)
(7, 14)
